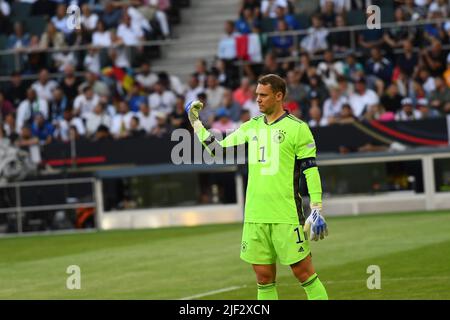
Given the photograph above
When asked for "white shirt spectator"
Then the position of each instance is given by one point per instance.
(252, 106)
(121, 122)
(94, 120)
(330, 73)
(315, 40)
(333, 108)
(63, 59)
(63, 128)
(227, 48)
(45, 90)
(138, 20)
(164, 102)
(147, 80)
(361, 103)
(191, 94)
(130, 34)
(61, 25)
(147, 122)
(84, 105)
(27, 109)
(215, 96)
(92, 62)
(5, 8)
(402, 116)
(271, 6)
(101, 39)
(89, 22)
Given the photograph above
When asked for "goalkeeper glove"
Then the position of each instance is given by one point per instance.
(192, 109)
(316, 224)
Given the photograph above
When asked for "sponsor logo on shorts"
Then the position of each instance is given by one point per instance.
(301, 249)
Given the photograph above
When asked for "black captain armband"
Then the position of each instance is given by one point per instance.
(307, 163)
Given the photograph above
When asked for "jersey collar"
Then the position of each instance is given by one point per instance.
(284, 115)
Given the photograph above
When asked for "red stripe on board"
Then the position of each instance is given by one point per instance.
(407, 137)
(68, 161)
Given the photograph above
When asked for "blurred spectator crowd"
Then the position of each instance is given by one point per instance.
(392, 74)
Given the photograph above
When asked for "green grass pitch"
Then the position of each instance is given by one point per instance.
(411, 249)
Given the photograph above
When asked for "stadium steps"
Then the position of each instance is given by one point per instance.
(199, 32)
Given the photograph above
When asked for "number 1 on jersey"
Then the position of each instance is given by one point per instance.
(262, 154)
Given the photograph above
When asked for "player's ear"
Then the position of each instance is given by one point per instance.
(279, 96)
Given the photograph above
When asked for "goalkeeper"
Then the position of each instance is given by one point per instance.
(275, 228)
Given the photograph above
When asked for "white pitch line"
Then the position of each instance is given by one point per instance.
(210, 293)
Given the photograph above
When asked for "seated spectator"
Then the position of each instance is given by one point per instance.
(328, 13)
(63, 58)
(426, 80)
(85, 102)
(58, 105)
(135, 97)
(227, 45)
(407, 60)
(101, 36)
(353, 70)
(440, 98)
(161, 99)
(89, 19)
(407, 111)
(251, 105)
(102, 134)
(69, 84)
(132, 35)
(52, 38)
(171, 82)
(245, 116)
(97, 117)
(121, 121)
(243, 93)
(316, 39)
(135, 130)
(340, 41)
(162, 127)
(214, 92)
(42, 129)
(63, 126)
(6, 107)
(60, 21)
(151, 10)
(271, 65)
(395, 36)
(91, 60)
(19, 39)
(282, 45)
(316, 119)
(146, 78)
(26, 138)
(370, 38)
(317, 89)
(391, 100)
(147, 119)
(36, 58)
(362, 98)
(194, 88)
(44, 86)
(329, 69)
(346, 115)
(9, 127)
(427, 112)
(29, 107)
(269, 7)
(92, 80)
(283, 14)
(234, 109)
(111, 15)
(333, 105)
(178, 118)
(223, 122)
(378, 69)
(246, 22)
(296, 91)
(339, 6)
(433, 58)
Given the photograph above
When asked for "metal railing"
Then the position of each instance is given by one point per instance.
(186, 42)
(21, 210)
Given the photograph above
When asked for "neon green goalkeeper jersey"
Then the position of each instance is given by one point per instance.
(277, 153)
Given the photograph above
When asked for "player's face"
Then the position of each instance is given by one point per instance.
(267, 100)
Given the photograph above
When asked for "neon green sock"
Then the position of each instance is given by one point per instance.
(314, 288)
(267, 291)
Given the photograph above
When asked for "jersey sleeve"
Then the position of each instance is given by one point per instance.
(305, 146)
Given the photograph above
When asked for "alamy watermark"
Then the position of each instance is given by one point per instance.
(73, 17)
(374, 19)
(73, 281)
(374, 280)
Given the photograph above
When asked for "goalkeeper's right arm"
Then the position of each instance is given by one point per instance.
(206, 138)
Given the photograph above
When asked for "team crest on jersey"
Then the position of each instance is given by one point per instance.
(244, 246)
(279, 136)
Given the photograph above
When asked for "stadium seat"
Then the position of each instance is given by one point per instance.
(356, 17)
(36, 25)
(20, 10)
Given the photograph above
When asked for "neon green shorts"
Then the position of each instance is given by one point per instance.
(264, 243)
